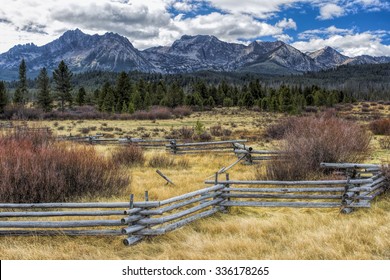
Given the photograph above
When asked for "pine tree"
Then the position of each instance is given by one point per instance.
(109, 99)
(62, 77)
(44, 98)
(123, 90)
(102, 96)
(81, 96)
(3, 97)
(131, 108)
(210, 102)
(139, 95)
(21, 92)
(137, 101)
(227, 102)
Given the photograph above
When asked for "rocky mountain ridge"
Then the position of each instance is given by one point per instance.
(112, 52)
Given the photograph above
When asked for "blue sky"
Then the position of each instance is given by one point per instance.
(353, 27)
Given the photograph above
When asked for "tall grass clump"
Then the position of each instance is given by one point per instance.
(34, 168)
(161, 161)
(310, 141)
(128, 155)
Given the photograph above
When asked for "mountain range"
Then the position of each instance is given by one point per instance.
(112, 52)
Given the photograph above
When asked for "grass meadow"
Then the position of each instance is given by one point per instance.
(245, 233)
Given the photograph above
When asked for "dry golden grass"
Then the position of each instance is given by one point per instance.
(245, 233)
(249, 233)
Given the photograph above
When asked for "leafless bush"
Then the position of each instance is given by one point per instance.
(386, 171)
(380, 126)
(182, 111)
(315, 140)
(154, 113)
(278, 130)
(204, 136)
(128, 155)
(45, 171)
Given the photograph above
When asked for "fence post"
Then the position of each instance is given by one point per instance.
(131, 201)
(347, 199)
(224, 209)
(173, 147)
(146, 200)
(248, 158)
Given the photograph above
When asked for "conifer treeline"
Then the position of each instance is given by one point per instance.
(127, 95)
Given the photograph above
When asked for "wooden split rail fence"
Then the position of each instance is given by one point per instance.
(197, 147)
(136, 220)
(249, 155)
(100, 140)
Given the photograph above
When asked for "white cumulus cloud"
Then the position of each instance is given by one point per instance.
(330, 11)
(366, 43)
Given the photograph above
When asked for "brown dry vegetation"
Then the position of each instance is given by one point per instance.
(245, 233)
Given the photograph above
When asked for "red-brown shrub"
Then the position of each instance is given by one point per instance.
(278, 130)
(380, 127)
(45, 171)
(128, 155)
(182, 111)
(311, 141)
(155, 113)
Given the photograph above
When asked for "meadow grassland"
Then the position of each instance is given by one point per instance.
(245, 233)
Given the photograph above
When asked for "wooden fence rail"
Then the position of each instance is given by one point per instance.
(137, 220)
(250, 156)
(100, 140)
(197, 147)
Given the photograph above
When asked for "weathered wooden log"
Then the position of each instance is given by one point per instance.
(60, 232)
(165, 177)
(294, 183)
(210, 143)
(149, 204)
(178, 224)
(285, 190)
(130, 219)
(132, 229)
(259, 152)
(132, 211)
(224, 169)
(56, 224)
(349, 165)
(240, 146)
(282, 196)
(378, 192)
(288, 204)
(157, 221)
(375, 188)
(132, 240)
(172, 207)
(189, 149)
(62, 214)
(265, 158)
(179, 152)
(376, 180)
(346, 210)
(191, 194)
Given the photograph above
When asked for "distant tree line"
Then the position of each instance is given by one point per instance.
(129, 92)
